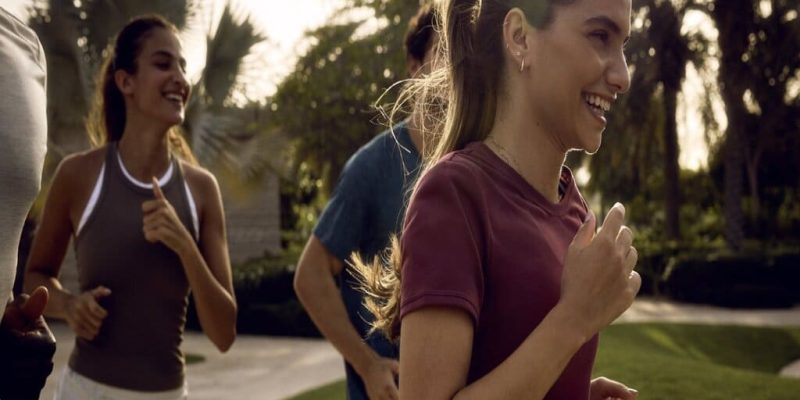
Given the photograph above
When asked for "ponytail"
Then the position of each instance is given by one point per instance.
(107, 117)
(458, 101)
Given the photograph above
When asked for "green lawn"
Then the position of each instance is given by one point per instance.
(334, 391)
(697, 362)
(194, 358)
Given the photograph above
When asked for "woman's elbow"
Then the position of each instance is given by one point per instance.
(224, 338)
(224, 341)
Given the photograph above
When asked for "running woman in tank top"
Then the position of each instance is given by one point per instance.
(148, 228)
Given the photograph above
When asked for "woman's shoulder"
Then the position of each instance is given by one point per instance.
(454, 178)
(459, 167)
(75, 177)
(200, 180)
(82, 166)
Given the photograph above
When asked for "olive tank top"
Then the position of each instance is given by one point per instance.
(138, 346)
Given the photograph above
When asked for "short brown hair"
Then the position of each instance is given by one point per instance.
(419, 33)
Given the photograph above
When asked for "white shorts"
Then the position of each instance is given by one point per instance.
(74, 386)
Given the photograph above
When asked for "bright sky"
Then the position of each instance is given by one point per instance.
(691, 132)
(284, 25)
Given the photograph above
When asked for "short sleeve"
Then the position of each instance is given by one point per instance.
(442, 243)
(342, 224)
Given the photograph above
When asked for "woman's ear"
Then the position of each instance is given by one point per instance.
(515, 37)
(124, 81)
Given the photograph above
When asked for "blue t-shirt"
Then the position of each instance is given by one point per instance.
(366, 208)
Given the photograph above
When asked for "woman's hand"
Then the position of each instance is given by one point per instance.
(161, 223)
(598, 283)
(379, 379)
(84, 314)
(606, 389)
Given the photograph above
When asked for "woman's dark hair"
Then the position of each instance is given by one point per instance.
(419, 33)
(107, 118)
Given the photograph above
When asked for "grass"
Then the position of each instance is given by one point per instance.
(675, 361)
(701, 362)
(333, 391)
(192, 358)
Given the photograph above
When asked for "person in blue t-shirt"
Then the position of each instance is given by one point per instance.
(366, 208)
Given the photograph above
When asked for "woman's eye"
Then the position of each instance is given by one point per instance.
(600, 35)
(162, 66)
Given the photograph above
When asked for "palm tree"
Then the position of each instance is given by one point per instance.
(659, 53)
(75, 36)
(760, 54)
(214, 126)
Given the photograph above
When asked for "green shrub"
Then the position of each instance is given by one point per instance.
(750, 281)
(266, 300)
(757, 277)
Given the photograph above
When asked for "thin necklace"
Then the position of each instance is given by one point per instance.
(509, 159)
(504, 154)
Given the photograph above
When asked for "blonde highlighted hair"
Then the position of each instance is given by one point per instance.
(457, 105)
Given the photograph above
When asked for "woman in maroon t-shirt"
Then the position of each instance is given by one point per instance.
(506, 279)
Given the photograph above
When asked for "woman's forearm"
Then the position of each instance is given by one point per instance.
(58, 295)
(216, 307)
(537, 363)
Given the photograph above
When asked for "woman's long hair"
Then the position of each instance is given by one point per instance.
(106, 122)
(458, 101)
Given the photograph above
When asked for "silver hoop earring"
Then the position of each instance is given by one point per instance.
(522, 66)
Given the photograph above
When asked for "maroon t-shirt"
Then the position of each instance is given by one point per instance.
(478, 237)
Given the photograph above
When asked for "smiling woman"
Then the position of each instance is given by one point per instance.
(142, 243)
(503, 284)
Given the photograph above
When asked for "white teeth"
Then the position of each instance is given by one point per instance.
(174, 96)
(598, 102)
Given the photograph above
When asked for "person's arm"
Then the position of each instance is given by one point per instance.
(27, 347)
(207, 267)
(436, 344)
(598, 285)
(603, 388)
(316, 289)
(82, 311)
(23, 137)
(50, 243)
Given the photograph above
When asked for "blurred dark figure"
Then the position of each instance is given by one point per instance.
(26, 344)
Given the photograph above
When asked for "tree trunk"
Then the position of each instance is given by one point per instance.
(752, 182)
(671, 167)
(734, 217)
(734, 19)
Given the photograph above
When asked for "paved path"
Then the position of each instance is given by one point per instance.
(792, 370)
(256, 367)
(647, 310)
(269, 368)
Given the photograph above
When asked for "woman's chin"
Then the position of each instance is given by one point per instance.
(172, 120)
(592, 144)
